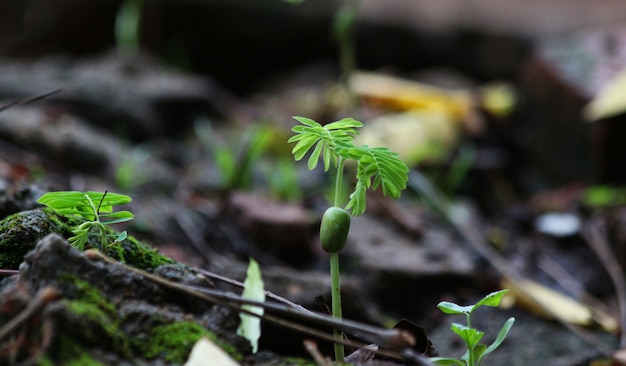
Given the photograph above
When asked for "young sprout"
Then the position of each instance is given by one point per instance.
(476, 351)
(376, 167)
(94, 210)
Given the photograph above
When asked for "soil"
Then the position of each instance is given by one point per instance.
(509, 186)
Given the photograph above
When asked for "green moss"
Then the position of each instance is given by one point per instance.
(173, 342)
(19, 234)
(88, 293)
(137, 254)
(70, 354)
(294, 361)
(100, 323)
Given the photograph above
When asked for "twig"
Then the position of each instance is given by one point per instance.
(44, 296)
(595, 234)
(268, 294)
(395, 343)
(442, 206)
(8, 272)
(29, 99)
(311, 348)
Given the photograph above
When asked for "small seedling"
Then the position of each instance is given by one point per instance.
(95, 212)
(376, 167)
(236, 158)
(476, 351)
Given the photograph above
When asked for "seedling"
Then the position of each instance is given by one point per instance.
(476, 351)
(235, 159)
(127, 26)
(376, 167)
(94, 210)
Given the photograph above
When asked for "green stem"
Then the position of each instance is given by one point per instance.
(339, 182)
(336, 302)
(345, 21)
(335, 287)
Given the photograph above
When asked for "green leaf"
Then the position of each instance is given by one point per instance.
(121, 237)
(446, 361)
(452, 308)
(325, 138)
(250, 326)
(377, 167)
(504, 331)
(493, 299)
(471, 336)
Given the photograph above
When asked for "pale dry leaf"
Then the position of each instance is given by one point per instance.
(610, 101)
(205, 353)
(549, 303)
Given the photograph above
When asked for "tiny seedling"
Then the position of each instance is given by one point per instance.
(127, 24)
(376, 167)
(94, 210)
(235, 159)
(476, 351)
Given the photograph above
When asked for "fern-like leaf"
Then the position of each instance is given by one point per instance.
(377, 167)
(324, 140)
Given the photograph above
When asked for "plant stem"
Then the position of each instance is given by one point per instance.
(336, 302)
(335, 288)
(339, 182)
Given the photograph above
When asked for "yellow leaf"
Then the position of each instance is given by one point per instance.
(553, 304)
(610, 101)
(402, 94)
(418, 136)
(205, 352)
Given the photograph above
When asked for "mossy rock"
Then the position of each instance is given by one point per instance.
(20, 232)
(105, 313)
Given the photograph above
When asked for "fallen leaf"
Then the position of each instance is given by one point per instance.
(552, 304)
(610, 101)
(205, 352)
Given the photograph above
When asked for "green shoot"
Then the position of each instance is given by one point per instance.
(376, 167)
(250, 326)
(127, 26)
(94, 210)
(476, 351)
(235, 160)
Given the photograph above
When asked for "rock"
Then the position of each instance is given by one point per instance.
(20, 232)
(278, 228)
(401, 271)
(104, 311)
(74, 142)
(134, 97)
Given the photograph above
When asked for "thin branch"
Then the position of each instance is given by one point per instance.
(394, 343)
(29, 99)
(595, 234)
(472, 236)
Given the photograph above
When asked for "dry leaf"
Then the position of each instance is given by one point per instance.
(550, 304)
(610, 101)
(425, 121)
(402, 94)
(418, 136)
(205, 353)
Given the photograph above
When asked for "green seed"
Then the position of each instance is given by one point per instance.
(334, 229)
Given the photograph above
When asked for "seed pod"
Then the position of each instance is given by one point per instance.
(334, 229)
